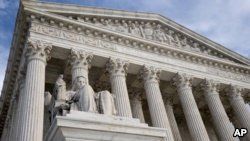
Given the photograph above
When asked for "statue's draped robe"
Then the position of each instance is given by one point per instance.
(60, 89)
(106, 103)
(85, 99)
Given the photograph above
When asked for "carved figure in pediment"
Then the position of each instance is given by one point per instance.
(159, 35)
(84, 97)
(184, 43)
(134, 30)
(148, 31)
(196, 47)
(174, 39)
(96, 22)
(107, 23)
(105, 103)
(122, 27)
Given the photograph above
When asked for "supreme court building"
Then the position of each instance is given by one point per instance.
(80, 73)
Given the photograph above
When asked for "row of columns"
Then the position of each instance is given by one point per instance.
(31, 107)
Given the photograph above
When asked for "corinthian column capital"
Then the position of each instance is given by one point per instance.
(182, 80)
(117, 66)
(149, 73)
(235, 92)
(37, 49)
(80, 58)
(210, 86)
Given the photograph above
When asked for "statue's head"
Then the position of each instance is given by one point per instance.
(61, 76)
(133, 25)
(80, 82)
(158, 26)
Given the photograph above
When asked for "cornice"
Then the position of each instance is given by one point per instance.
(13, 66)
(68, 9)
(86, 29)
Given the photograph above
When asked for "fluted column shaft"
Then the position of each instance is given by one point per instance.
(157, 109)
(221, 121)
(33, 101)
(9, 122)
(194, 121)
(136, 106)
(13, 119)
(240, 108)
(19, 109)
(172, 121)
(117, 69)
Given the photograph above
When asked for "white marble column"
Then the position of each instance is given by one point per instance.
(240, 108)
(80, 62)
(19, 108)
(171, 118)
(136, 105)
(221, 121)
(13, 119)
(9, 123)
(194, 121)
(117, 69)
(37, 53)
(158, 114)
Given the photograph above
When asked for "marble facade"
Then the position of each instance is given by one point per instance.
(80, 73)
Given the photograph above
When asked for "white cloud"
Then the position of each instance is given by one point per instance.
(224, 21)
(3, 63)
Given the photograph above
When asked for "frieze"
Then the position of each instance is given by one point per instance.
(76, 37)
(227, 74)
(50, 31)
(154, 31)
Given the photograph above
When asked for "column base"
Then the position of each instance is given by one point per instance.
(82, 126)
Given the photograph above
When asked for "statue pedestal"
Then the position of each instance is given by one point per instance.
(83, 126)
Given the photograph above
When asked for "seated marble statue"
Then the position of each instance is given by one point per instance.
(84, 97)
(60, 96)
(105, 103)
(60, 89)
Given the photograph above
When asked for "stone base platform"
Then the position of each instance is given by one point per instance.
(82, 126)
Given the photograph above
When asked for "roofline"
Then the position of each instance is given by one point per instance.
(87, 10)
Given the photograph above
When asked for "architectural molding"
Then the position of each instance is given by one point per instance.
(214, 68)
(97, 14)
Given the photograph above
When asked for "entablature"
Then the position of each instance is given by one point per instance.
(62, 38)
(83, 33)
(148, 26)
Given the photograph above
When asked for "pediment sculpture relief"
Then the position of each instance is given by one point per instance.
(80, 98)
(155, 31)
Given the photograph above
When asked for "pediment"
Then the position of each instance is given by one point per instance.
(146, 27)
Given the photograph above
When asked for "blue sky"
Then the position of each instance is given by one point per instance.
(223, 21)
